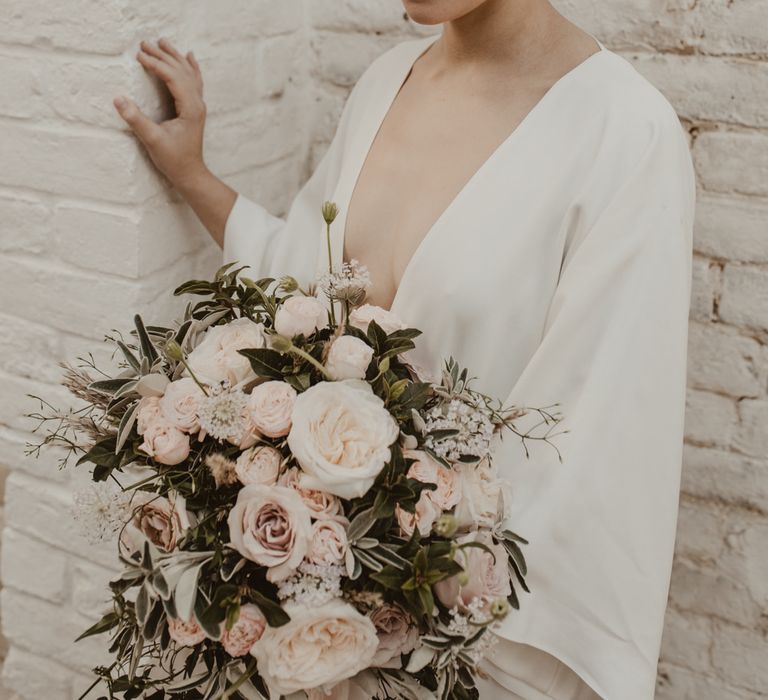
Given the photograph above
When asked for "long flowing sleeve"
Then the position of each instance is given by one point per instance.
(601, 524)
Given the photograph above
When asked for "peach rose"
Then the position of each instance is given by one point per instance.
(348, 358)
(362, 316)
(148, 413)
(259, 465)
(320, 647)
(341, 437)
(485, 577)
(185, 634)
(164, 442)
(320, 503)
(245, 632)
(300, 315)
(424, 518)
(162, 520)
(216, 357)
(270, 406)
(179, 404)
(398, 634)
(329, 541)
(429, 471)
(270, 525)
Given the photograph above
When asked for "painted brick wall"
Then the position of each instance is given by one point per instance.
(90, 233)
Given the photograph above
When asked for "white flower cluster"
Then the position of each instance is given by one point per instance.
(223, 414)
(349, 284)
(465, 624)
(473, 428)
(101, 510)
(312, 584)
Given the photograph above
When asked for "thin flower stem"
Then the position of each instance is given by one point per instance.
(192, 374)
(328, 242)
(249, 670)
(305, 355)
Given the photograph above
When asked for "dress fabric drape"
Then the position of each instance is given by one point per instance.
(559, 273)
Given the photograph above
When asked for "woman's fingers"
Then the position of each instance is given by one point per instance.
(139, 122)
(160, 68)
(195, 65)
(166, 46)
(156, 52)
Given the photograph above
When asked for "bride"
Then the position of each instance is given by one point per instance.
(512, 161)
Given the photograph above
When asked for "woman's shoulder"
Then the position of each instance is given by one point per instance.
(620, 96)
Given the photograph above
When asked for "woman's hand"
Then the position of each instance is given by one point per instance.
(175, 145)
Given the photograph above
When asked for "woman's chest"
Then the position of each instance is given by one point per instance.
(421, 158)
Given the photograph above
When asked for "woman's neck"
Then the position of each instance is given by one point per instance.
(510, 35)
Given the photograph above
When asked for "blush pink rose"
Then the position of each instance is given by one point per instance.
(162, 520)
(245, 632)
(362, 316)
(270, 406)
(270, 525)
(329, 541)
(483, 577)
(185, 634)
(397, 632)
(148, 413)
(320, 503)
(180, 402)
(164, 442)
(259, 465)
(348, 358)
(300, 315)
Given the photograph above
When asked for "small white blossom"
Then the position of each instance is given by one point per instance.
(312, 584)
(223, 414)
(473, 428)
(349, 284)
(101, 510)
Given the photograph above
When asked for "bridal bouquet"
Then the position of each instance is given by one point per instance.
(298, 512)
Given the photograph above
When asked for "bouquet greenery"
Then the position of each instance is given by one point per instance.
(298, 512)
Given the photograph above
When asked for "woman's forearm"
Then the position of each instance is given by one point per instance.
(211, 200)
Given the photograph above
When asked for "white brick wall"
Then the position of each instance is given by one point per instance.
(277, 74)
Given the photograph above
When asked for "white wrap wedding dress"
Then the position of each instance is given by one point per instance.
(559, 273)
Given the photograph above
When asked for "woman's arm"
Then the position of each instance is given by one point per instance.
(176, 145)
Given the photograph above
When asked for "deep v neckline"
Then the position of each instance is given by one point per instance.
(343, 195)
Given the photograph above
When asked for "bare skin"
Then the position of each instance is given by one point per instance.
(473, 86)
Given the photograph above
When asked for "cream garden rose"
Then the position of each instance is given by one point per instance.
(216, 357)
(348, 358)
(259, 464)
(179, 404)
(341, 437)
(362, 316)
(320, 647)
(270, 406)
(482, 493)
(271, 526)
(300, 315)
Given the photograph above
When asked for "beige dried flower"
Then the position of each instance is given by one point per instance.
(222, 469)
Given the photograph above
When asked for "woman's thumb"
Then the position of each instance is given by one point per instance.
(139, 122)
